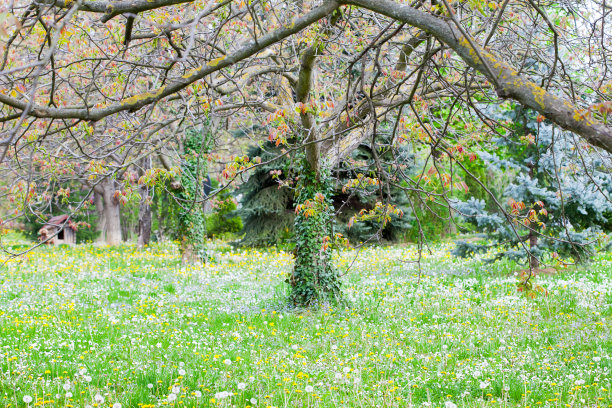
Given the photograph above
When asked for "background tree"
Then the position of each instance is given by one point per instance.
(557, 202)
(268, 201)
(191, 231)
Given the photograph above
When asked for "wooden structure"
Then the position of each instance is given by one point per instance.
(57, 231)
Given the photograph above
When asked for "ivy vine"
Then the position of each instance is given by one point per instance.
(191, 231)
(314, 279)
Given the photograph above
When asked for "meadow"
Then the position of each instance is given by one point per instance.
(90, 326)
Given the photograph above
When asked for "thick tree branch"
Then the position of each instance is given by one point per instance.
(113, 8)
(302, 91)
(138, 101)
(510, 83)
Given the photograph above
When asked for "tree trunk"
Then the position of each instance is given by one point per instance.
(112, 215)
(101, 227)
(314, 278)
(144, 220)
(188, 253)
(533, 242)
(144, 213)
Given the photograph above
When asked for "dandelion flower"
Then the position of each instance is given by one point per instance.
(222, 395)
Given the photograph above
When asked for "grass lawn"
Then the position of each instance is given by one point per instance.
(117, 327)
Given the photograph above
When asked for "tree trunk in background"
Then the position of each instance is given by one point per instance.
(112, 214)
(162, 214)
(144, 213)
(101, 227)
(533, 242)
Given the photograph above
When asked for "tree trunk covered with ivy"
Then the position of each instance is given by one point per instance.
(314, 278)
(191, 231)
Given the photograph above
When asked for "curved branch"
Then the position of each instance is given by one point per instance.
(113, 8)
(140, 100)
(510, 83)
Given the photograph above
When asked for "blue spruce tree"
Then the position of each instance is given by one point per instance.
(557, 203)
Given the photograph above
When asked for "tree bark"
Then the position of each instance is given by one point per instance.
(144, 214)
(533, 242)
(144, 219)
(101, 227)
(189, 255)
(314, 278)
(112, 214)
